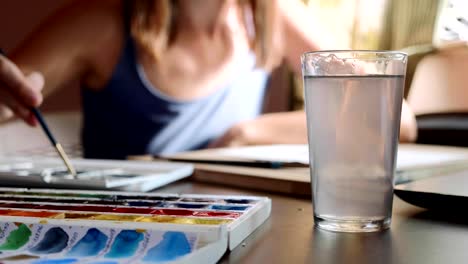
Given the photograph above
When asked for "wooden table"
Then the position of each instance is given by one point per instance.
(289, 236)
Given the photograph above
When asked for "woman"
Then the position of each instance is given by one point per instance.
(166, 76)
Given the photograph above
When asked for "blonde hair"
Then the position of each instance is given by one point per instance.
(152, 23)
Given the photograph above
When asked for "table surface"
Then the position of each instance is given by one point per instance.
(289, 236)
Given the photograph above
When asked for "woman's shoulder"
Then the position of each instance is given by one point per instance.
(99, 27)
(101, 7)
(83, 26)
(100, 18)
(81, 40)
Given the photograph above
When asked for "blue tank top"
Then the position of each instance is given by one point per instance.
(131, 117)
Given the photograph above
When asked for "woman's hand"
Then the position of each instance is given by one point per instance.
(273, 128)
(18, 93)
(408, 125)
(236, 136)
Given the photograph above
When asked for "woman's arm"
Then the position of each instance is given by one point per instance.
(67, 46)
(274, 128)
(302, 34)
(408, 126)
(291, 128)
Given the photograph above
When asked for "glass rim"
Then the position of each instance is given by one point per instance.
(390, 52)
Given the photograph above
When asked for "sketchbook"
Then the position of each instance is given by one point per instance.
(409, 155)
(91, 174)
(413, 161)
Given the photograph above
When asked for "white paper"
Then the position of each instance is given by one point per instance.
(409, 155)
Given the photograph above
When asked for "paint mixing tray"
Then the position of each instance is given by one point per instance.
(92, 174)
(63, 226)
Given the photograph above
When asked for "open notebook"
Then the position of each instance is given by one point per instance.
(294, 176)
(409, 155)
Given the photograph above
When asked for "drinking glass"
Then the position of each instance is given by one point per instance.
(353, 106)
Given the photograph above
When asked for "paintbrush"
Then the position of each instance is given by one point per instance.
(54, 142)
(51, 137)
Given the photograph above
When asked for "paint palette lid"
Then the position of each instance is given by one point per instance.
(92, 174)
(89, 226)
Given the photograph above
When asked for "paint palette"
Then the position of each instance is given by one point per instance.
(63, 226)
(92, 174)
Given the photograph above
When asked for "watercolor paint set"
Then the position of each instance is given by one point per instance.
(138, 176)
(65, 226)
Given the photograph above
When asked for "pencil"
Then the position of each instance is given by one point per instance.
(253, 163)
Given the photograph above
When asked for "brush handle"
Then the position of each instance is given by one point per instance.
(54, 142)
(44, 126)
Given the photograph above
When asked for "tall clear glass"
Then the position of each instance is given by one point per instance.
(353, 106)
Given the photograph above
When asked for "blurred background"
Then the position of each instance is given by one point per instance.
(433, 32)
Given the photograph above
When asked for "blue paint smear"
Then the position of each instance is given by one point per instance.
(54, 241)
(90, 245)
(173, 246)
(125, 244)
(103, 262)
(191, 206)
(229, 207)
(145, 204)
(55, 261)
(239, 201)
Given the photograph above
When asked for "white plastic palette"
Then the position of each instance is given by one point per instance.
(93, 174)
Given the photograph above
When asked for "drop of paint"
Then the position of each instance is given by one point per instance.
(125, 244)
(90, 245)
(17, 238)
(239, 201)
(173, 246)
(191, 205)
(54, 241)
(229, 207)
